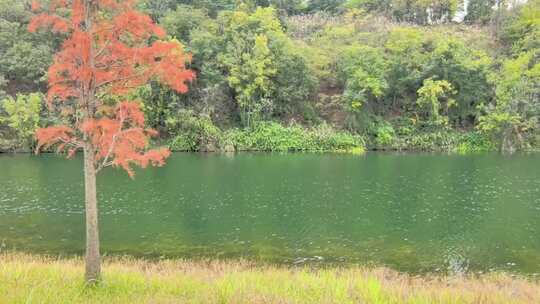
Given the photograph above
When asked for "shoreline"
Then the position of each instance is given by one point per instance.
(321, 152)
(26, 278)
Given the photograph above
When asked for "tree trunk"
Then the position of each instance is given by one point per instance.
(93, 263)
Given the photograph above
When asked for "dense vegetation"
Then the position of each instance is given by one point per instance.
(317, 75)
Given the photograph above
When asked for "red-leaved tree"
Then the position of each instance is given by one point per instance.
(110, 50)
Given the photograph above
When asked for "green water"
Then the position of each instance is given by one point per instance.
(414, 213)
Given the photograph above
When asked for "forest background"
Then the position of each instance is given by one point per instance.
(319, 75)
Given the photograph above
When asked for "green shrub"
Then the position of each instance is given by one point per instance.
(183, 143)
(22, 117)
(198, 133)
(473, 143)
(444, 140)
(385, 135)
(327, 139)
(427, 141)
(271, 136)
(193, 132)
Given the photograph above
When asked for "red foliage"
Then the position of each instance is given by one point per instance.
(52, 135)
(35, 6)
(107, 52)
(57, 24)
(122, 139)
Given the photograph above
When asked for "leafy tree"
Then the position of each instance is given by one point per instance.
(428, 12)
(415, 56)
(294, 85)
(291, 7)
(106, 54)
(440, 11)
(195, 28)
(159, 8)
(24, 57)
(331, 6)
(256, 57)
(407, 51)
(479, 11)
(414, 11)
(517, 110)
(26, 63)
(209, 94)
(502, 127)
(213, 6)
(380, 6)
(434, 95)
(250, 78)
(182, 21)
(522, 29)
(513, 120)
(467, 70)
(23, 116)
(159, 104)
(364, 72)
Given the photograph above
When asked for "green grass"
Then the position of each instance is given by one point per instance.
(37, 279)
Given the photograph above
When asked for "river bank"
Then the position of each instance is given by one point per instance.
(39, 279)
(275, 137)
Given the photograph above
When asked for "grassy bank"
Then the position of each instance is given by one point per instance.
(196, 133)
(202, 135)
(36, 279)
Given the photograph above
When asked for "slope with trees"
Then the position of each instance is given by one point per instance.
(405, 75)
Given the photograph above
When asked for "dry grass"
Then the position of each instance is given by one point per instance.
(37, 279)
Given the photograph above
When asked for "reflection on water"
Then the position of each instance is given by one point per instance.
(411, 212)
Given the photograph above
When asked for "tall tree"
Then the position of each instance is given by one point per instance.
(110, 50)
(479, 11)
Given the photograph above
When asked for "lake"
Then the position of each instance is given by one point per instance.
(411, 212)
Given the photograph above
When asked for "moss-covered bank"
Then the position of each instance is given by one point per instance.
(37, 279)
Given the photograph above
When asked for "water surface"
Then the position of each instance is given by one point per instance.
(414, 212)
